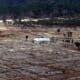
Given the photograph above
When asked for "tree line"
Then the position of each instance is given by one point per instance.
(38, 8)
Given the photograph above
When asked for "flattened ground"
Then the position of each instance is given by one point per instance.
(23, 60)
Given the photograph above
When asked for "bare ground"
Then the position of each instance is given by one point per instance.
(23, 60)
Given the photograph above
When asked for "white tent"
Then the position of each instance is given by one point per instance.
(41, 40)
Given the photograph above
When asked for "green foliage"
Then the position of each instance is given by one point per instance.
(69, 22)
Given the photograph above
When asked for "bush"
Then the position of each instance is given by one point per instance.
(51, 22)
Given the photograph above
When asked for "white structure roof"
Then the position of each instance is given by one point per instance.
(41, 39)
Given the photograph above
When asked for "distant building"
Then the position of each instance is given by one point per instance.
(9, 21)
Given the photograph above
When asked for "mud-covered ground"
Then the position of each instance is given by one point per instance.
(24, 60)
